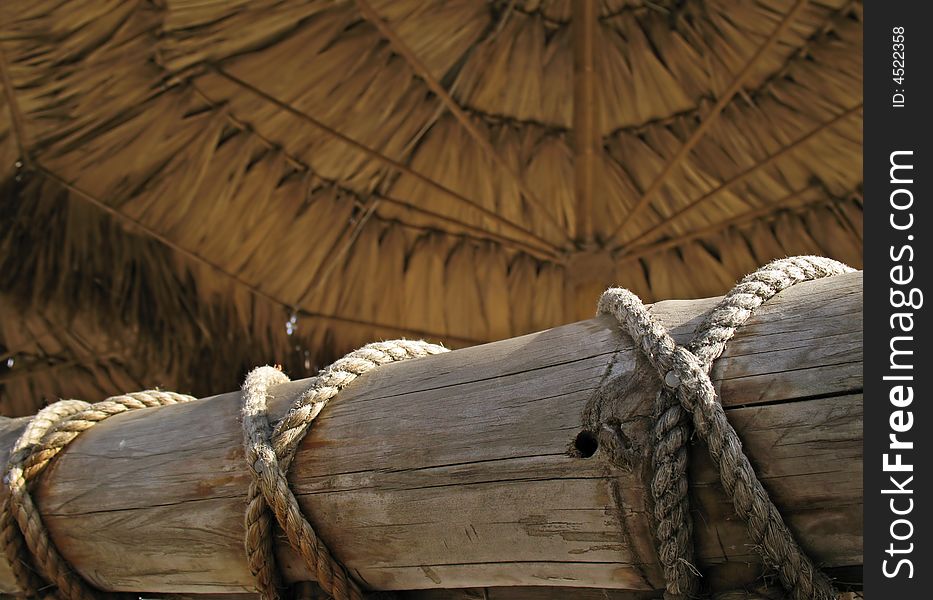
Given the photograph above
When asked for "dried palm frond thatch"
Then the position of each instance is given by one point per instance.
(192, 188)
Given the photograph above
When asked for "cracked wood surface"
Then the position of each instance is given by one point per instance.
(453, 471)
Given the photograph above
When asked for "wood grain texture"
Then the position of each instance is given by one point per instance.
(453, 471)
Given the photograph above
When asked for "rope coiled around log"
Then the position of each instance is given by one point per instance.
(21, 526)
(687, 395)
(687, 391)
(270, 452)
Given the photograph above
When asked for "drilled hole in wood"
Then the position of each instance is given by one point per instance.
(586, 444)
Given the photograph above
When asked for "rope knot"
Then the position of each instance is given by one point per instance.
(270, 451)
(30, 551)
(688, 395)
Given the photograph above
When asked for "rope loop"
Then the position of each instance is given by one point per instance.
(270, 451)
(22, 531)
(687, 401)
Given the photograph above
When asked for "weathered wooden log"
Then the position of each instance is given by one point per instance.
(459, 470)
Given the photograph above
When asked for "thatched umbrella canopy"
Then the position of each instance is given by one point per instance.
(191, 188)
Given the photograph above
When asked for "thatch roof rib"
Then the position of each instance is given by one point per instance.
(280, 116)
(67, 78)
(783, 153)
(723, 99)
(805, 195)
(182, 114)
(264, 186)
(559, 12)
(446, 155)
(406, 170)
(49, 362)
(411, 215)
(541, 303)
(232, 278)
(462, 118)
(41, 279)
(16, 132)
(693, 64)
(830, 228)
(776, 235)
(757, 171)
(438, 33)
(630, 35)
(196, 33)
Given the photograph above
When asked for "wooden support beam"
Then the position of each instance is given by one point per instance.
(422, 71)
(586, 134)
(710, 118)
(454, 471)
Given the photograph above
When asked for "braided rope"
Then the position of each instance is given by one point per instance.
(14, 544)
(269, 453)
(688, 391)
(21, 525)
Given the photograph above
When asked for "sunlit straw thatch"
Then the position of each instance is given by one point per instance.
(180, 176)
